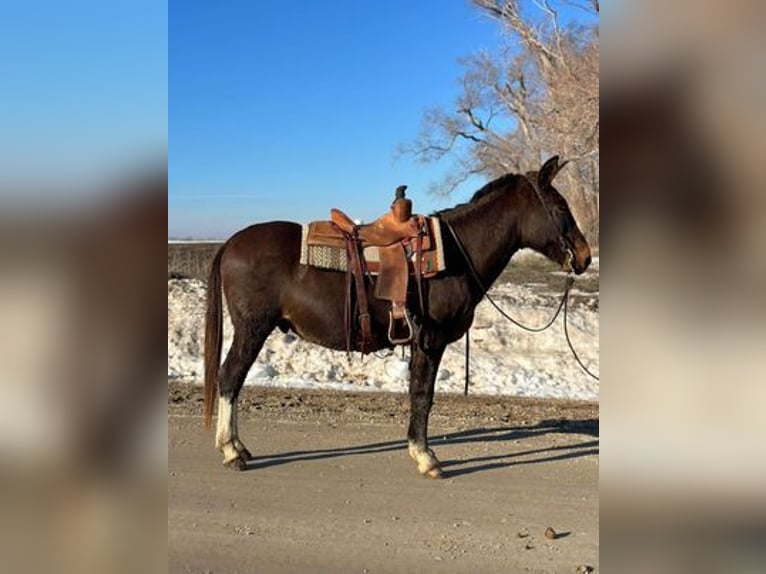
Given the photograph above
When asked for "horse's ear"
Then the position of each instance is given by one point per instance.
(549, 170)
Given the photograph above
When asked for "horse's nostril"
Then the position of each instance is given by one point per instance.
(587, 262)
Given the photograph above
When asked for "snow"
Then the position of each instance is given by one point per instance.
(505, 360)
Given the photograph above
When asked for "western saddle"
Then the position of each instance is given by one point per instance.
(397, 234)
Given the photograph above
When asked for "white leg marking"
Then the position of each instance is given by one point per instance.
(426, 460)
(234, 421)
(226, 424)
(223, 430)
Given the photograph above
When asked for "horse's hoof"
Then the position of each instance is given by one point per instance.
(237, 463)
(435, 472)
(245, 454)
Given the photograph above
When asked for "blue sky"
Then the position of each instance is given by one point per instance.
(265, 110)
(282, 110)
(84, 88)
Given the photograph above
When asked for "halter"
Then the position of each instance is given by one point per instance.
(564, 244)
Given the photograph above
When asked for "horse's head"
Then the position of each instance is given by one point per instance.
(550, 227)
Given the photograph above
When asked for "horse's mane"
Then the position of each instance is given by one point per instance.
(502, 183)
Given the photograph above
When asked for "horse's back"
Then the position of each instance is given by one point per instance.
(273, 240)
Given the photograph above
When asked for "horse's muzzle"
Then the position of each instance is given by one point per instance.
(581, 260)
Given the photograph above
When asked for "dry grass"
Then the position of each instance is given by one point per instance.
(190, 260)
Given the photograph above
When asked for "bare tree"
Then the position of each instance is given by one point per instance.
(535, 96)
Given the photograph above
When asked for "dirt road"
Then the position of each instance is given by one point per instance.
(332, 488)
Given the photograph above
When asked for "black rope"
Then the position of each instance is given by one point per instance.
(467, 357)
(562, 303)
(569, 342)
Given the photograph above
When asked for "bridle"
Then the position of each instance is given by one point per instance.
(565, 244)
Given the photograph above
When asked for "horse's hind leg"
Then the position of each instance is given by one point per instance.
(244, 350)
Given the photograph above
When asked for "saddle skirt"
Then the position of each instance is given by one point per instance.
(323, 246)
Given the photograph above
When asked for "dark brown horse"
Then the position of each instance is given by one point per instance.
(266, 287)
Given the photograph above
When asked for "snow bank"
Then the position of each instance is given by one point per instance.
(504, 359)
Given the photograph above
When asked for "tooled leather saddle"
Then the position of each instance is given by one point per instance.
(400, 238)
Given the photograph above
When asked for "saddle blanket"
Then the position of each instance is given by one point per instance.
(335, 257)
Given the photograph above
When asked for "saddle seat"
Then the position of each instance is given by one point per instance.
(384, 231)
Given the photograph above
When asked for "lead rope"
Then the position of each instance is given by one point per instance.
(562, 304)
(467, 359)
(569, 342)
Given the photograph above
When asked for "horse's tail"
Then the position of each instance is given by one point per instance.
(213, 335)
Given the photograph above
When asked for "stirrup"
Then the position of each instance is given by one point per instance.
(407, 321)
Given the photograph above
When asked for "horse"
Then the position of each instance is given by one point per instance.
(258, 270)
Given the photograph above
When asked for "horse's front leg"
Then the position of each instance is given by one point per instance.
(423, 368)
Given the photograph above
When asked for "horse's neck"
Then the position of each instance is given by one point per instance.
(490, 234)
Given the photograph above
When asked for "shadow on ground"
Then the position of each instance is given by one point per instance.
(458, 467)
